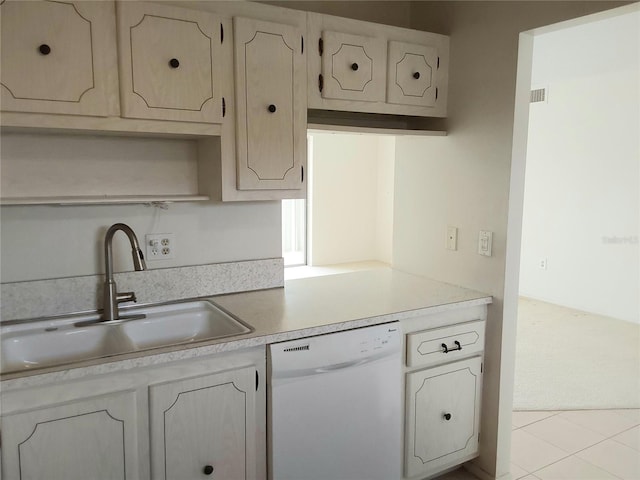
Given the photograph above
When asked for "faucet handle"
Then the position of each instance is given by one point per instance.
(126, 297)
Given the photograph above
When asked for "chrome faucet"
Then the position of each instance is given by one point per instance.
(111, 296)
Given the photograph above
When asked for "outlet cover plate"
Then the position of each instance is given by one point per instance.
(160, 246)
(452, 238)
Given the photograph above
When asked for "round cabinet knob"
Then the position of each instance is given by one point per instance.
(354, 66)
(208, 470)
(44, 49)
(416, 75)
(272, 108)
(174, 63)
(447, 416)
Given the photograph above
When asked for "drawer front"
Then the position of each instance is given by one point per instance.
(412, 74)
(441, 345)
(353, 67)
(55, 56)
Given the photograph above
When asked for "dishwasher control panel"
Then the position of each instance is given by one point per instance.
(365, 343)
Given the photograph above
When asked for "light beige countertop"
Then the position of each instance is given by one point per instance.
(313, 302)
(304, 307)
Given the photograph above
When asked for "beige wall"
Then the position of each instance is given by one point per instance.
(351, 204)
(396, 13)
(463, 179)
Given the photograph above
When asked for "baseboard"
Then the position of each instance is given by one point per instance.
(475, 470)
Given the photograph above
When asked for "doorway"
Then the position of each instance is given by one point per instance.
(577, 366)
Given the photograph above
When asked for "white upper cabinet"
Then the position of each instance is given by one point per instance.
(353, 67)
(270, 105)
(58, 57)
(358, 66)
(170, 63)
(412, 74)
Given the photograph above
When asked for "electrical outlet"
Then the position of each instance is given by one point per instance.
(542, 264)
(160, 246)
(452, 238)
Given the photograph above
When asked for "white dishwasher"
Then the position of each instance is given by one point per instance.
(335, 406)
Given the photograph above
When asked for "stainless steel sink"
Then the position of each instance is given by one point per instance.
(63, 340)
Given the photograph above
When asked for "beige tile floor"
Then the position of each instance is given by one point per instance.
(572, 445)
(576, 445)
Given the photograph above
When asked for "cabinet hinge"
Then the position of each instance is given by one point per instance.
(221, 33)
(320, 82)
(438, 65)
(224, 107)
(320, 47)
(257, 380)
(302, 173)
(302, 42)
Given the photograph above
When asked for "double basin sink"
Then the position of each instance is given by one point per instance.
(63, 340)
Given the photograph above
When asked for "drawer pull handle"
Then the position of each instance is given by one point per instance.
(44, 49)
(447, 416)
(207, 470)
(446, 349)
(416, 75)
(354, 67)
(272, 108)
(174, 63)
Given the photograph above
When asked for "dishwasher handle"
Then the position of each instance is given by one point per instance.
(277, 374)
(341, 366)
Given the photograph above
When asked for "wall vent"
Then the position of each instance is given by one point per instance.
(538, 95)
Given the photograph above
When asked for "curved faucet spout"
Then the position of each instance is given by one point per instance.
(111, 296)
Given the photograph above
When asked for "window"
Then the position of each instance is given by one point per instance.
(294, 221)
(294, 238)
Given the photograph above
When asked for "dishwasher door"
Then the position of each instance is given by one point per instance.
(335, 406)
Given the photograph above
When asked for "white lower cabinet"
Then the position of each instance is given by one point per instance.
(204, 427)
(443, 416)
(197, 419)
(443, 390)
(92, 438)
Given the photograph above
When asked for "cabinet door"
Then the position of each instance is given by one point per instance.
(204, 426)
(411, 76)
(94, 438)
(443, 413)
(270, 105)
(353, 67)
(170, 62)
(57, 57)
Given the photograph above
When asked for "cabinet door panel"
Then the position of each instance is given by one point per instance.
(204, 421)
(57, 56)
(412, 74)
(353, 67)
(170, 63)
(89, 439)
(443, 407)
(271, 105)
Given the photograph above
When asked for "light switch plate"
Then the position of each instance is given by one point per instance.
(485, 243)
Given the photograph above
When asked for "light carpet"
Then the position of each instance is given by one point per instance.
(570, 360)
